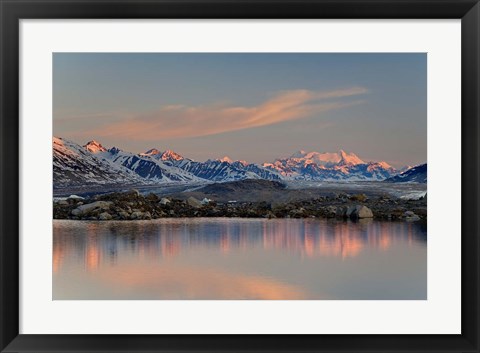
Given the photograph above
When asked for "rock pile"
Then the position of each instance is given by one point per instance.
(134, 206)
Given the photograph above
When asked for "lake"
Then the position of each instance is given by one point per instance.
(232, 258)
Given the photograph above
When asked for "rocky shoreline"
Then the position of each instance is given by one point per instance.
(133, 205)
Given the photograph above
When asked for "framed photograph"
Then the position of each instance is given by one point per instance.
(239, 176)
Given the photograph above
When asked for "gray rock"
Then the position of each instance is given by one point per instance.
(359, 211)
(364, 212)
(192, 201)
(63, 203)
(411, 216)
(89, 207)
(105, 216)
(124, 215)
(331, 211)
(350, 211)
(164, 201)
(147, 215)
(206, 201)
(137, 215)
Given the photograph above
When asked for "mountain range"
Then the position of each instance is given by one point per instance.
(93, 164)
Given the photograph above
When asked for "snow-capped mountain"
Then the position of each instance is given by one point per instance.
(94, 147)
(329, 166)
(326, 159)
(147, 165)
(417, 174)
(76, 165)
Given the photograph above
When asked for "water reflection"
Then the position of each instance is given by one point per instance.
(235, 259)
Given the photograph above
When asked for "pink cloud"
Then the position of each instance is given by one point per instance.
(175, 121)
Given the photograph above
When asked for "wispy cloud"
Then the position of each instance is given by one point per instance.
(175, 121)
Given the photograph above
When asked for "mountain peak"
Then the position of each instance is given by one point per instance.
(150, 152)
(327, 159)
(114, 150)
(349, 158)
(226, 159)
(170, 155)
(94, 147)
(385, 165)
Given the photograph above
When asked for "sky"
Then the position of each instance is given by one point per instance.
(248, 106)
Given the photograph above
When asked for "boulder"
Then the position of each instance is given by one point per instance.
(359, 211)
(62, 203)
(364, 212)
(164, 201)
(350, 210)
(331, 211)
(123, 215)
(147, 215)
(206, 201)
(192, 201)
(137, 215)
(105, 216)
(411, 216)
(89, 207)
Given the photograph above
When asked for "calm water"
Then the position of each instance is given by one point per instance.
(223, 258)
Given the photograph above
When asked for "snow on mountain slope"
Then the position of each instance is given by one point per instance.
(417, 174)
(171, 156)
(94, 147)
(258, 170)
(326, 159)
(215, 170)
(94, 164)
(226, 159)
(74, 165)
(329, 166)
(149, 165)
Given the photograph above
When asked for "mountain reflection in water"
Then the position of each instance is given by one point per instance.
(225, 258)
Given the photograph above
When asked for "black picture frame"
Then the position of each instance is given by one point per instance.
(11, 11)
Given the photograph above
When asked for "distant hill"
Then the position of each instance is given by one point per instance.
(246, 191)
